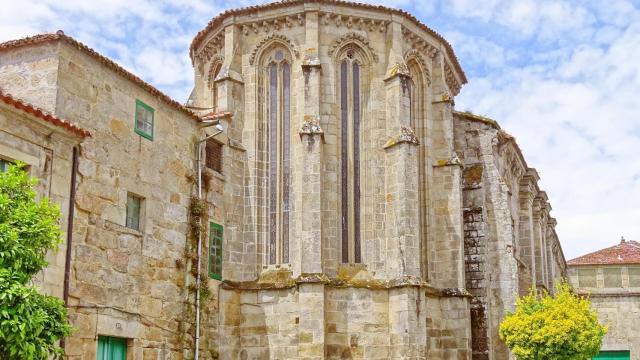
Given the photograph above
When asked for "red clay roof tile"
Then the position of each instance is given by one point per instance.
(61, 36)
(626, 252)
(43, 115)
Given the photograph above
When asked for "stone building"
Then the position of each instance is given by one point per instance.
(349, 211)
(611, 279)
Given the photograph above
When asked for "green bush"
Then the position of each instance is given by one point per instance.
(563, 327)
(30, 323)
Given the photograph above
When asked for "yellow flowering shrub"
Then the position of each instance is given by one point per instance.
(563, 327)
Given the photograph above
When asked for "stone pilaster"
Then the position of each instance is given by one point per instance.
(446, 265)
(240, 261)
(407, 329)
(403, 245)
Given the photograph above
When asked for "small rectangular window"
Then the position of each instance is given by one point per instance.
(4, 165)
(213, 150)
(587, 278)
(612, 277)
(634, 277)
(133, 211)
(111, 348)
(215, 251)
(144, 120)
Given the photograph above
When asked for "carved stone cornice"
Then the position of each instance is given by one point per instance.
(419, 44)
(353, 22)
(212, 48)
(355, 38)
(451, 79)
(273, 24)
(274, 38)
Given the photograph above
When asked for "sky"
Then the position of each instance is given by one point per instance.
(563, 77)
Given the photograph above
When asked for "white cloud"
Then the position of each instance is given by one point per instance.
(562, 76)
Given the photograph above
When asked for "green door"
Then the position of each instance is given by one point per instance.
(111, 348)
(613, 355)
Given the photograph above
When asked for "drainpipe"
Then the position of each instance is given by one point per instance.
(219, 127)
(72, 201)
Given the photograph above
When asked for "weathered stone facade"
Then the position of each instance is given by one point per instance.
(611, 279)
(363, 217)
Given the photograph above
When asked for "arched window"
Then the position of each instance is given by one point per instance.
(350, 90)
(275, 102)
(417, 91)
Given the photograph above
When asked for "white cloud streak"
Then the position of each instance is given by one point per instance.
(561, 76)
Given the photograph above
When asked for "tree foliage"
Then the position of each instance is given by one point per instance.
(30, 323)
(563, 327)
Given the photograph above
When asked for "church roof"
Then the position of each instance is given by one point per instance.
(218, 20)
(61, 36)
(43, 115)
(626, 252)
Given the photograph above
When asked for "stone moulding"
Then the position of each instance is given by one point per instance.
(453, 161)
(413, 54)
(354, 38)
(451, 80)
(350, 21)
(273, 38)
(406, 136)
(228, 74)
(341, 284)
(419, 44)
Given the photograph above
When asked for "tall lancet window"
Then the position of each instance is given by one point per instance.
(277, 111)
(350, 118)
(215, 70)
(417, 91)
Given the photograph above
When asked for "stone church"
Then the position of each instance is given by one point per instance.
(345, 210)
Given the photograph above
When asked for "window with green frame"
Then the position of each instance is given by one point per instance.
(4, 165)
(144, 120)
(134, 204)
(215, 251)
(111, 348)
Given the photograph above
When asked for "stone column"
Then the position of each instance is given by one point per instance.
(544, 215)
(551, 243)
(403, 219)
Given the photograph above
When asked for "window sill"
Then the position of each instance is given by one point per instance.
(123, 229)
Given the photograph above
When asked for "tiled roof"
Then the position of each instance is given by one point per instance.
(626, 252)
(218, 20)
(61, 36)
(213, 115)
(41, 114)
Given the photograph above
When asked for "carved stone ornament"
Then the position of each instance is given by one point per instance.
(274, 38)
(311, 126)
(406, 136)
(453, 161)
(355, 38)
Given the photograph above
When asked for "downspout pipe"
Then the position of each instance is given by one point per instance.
(199, 223)
(70, 216)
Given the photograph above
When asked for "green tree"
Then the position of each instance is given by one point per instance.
(30, 323)
(563, 327)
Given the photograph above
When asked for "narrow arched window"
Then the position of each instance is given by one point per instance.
(417, 100)
(350, 118)
(278, 147)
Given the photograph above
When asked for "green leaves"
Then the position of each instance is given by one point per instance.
(30, 323)
(546, 328)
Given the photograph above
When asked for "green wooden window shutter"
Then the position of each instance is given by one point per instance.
(4, 165)
(144, 120)
(215, 251)
(133, 211)
(613, 355)
(112, 348)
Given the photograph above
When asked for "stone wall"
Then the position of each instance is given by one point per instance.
(503, 243)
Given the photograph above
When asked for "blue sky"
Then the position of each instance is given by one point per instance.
(563, 77)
